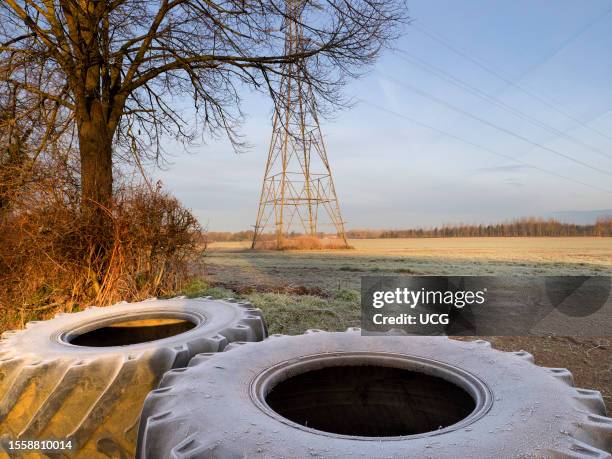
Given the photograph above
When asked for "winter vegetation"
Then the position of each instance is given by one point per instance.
(90, 92)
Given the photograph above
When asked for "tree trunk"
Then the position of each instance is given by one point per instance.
(95, 146)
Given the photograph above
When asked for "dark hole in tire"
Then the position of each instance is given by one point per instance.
(370, 401)
(132, 332)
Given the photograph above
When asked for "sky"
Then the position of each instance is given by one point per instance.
(543, 147)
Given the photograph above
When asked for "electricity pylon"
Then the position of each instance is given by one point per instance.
(298, 193)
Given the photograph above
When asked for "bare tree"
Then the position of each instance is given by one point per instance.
(118, 69)
(31, 129)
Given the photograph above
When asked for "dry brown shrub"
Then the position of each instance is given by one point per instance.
(303, 242)
(50, 259)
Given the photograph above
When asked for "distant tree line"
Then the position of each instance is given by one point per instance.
(524, 227)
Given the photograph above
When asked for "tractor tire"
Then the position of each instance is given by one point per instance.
(341, 395)
(83, 377)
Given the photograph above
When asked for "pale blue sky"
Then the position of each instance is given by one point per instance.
(392, 173)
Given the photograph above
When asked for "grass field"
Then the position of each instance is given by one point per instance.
(300, 290)
(233, 264)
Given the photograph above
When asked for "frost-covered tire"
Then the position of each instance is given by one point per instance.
(371, 397)
(61, 379)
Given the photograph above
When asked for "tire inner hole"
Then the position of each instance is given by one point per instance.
(370, 401)
(124, 333)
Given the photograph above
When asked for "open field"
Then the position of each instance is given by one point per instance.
(301, 290)
(232, 264)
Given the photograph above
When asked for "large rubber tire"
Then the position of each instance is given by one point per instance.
(215, 408)
(51, 389)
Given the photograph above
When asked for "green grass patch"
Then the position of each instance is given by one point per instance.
(200, 288)
(294, 314)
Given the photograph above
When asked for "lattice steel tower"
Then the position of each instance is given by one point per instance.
(298, 193)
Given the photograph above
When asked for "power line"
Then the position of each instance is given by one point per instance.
(440, 73)
(480, 147)
(508, 81)
(489, 123)
(567, 41)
